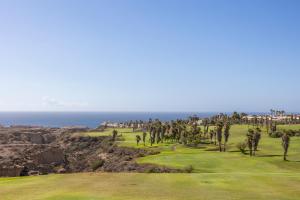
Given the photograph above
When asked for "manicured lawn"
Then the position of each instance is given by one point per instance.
(207, 158)
(120, 186)
(292, 126)
(226, 175)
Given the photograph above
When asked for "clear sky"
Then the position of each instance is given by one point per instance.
(149, 55)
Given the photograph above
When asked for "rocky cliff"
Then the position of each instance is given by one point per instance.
(36, 150)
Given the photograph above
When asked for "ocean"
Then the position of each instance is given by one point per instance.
(87, 119)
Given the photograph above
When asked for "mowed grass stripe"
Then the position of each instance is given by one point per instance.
(152, 186)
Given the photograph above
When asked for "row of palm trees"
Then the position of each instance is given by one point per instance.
(188, 132)
(277, 112)
(214, 130)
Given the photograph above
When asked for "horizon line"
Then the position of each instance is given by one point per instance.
(98, 111)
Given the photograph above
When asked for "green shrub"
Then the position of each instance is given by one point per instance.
(96, 164)
(276, 135)
(83, 145)
(290, 132)
(152, 170)
(242, 147)
(189, 169)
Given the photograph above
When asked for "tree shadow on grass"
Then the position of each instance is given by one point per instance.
(213, 149)
(234, 151)
(269, 156)
(292, 160)
(199, 147)
(205, 142)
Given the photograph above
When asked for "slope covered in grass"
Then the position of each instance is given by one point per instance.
(206, 158)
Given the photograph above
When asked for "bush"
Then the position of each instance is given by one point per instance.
(197, 140)
(297, 134)
(276, 135)
(291, 133)
(189, 169)
(96, 164)
(153, 170)
(83, 145)
(242, 147)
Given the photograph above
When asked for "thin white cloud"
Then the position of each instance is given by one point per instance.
(52, 102)
(49, 101)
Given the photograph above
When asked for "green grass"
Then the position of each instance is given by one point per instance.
(226, 175)
(120, 186)
(292, 126)
(207, 158)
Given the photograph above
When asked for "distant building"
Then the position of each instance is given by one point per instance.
(273, 118)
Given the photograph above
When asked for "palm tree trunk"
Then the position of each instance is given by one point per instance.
(284, 155)
(220, 146)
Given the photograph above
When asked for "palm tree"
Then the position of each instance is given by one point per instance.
(193, 118)
(244, 117)
(250, 140)
(144, 137)
(183, 135)
(267, 123)
(236, 117)
(205, 126)
(285, 144)
(163, 132)
(152, 135)
(138, 139)
(219, 134)
(114, 135)
(256, 139)
(158, 133)
(273, 127)
(211, 134)
(226, 133)
(215, 136)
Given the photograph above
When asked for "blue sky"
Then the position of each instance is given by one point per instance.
(158, 55)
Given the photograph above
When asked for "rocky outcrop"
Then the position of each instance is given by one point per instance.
(35, 138)
(7, 171)
(33, 151)
(28, 135)
(50, 155)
